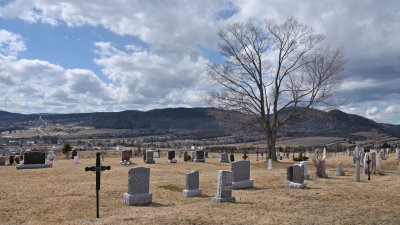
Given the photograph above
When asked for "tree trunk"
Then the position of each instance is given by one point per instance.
(271, 139)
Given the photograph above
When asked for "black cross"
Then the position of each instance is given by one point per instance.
(98, 168)
(257, 155)
(368, 162)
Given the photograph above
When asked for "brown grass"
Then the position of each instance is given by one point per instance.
(65, 194)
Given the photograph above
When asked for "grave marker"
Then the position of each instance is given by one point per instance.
(241, 174)
(340, 171)
(138, 186)
(224, 187)
(192, 185)
(98, 169)
(298, 177)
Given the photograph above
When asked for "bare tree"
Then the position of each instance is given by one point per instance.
(272, 74)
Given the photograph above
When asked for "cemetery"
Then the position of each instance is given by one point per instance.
(186, 192)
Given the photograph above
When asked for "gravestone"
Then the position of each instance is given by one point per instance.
(397, 153)
(171, 156)
(298, 177)
(232, 157)
(377, 164)
(241, 174)
(357, 172)
(269, 164)
(289, 174)
(192, 156)
(11, 159)
(192, 185)
(324, 154)
(200, 156)
(340, 171)
(224, 158)
(372, 157)
(76, 159)
(365, 164)
(322, 169)
(179, 154)
(2, 160)
(224, 187)
(155, 154)
(149, 157)
(206, 154)
(34, 158)
(125, 157)
(138, 186)
(74, 153)
(305, 166)
(185, 156)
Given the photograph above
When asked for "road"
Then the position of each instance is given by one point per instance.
(39, 127)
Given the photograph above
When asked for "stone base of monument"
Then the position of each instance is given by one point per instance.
(149, 161)
(192, 193)
(287, 181)
(199, 160)
(222, 161)
(243, 184)
(138, 199)
(338, 173)
(297, 185)
(33, 166)
(229, 199)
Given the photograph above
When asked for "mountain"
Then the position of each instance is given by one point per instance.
(315, 122)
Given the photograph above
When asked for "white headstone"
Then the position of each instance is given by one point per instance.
(305, 166)
(397, 153)
(378, 167)
(76, 159)
(324, 154)
(270, 164)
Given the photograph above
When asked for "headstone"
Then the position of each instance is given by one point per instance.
(340, 171)
(298, 177)
(2, 160)
(192, 185)
(357, 172)
(377, 164)
(125, 157)
(11, 159)
(138, 186)
(324, 154)
(397, 153)
(192, 156)
(289, 174)
(307, 153)
(224, 187)
(76, 159)
(365, 164)
(74, 153)
(206, 154)
(155, 154)
(232, 157)
(322, 169)
(348, 152)
(241, 174)
(34, 158)
(171, 157)
(149, 157)
(179, 154)
(372, 157)
(305, 166)
(224, 158)
(200, 156)
(185, 156)
(269, 164)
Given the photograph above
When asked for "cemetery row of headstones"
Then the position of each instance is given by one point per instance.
(239, 177)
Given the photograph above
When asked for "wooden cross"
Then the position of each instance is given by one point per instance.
(368, 162)
(98, 168)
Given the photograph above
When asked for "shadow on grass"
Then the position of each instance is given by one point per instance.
(155, 204)
(244, 203)
(252, 189)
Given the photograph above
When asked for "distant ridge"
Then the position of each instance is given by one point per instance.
(316, 122)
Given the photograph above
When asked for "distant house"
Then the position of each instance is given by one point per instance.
(55, 147)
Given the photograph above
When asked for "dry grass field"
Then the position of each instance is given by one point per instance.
(65, 194)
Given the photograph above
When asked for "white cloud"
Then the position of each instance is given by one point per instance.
(11, 43)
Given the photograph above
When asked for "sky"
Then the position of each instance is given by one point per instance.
(87, 56)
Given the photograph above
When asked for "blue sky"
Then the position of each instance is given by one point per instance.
(84, 56)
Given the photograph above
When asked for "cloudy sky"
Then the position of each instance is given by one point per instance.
(85, 56)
